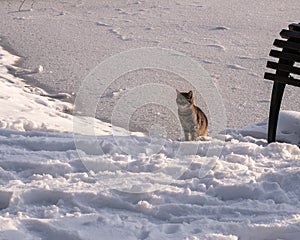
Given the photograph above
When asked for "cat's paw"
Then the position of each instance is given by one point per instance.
(203, 138)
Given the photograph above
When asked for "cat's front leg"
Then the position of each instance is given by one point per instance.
(195, 133)
(187, 136)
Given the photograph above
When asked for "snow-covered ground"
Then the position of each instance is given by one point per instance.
(51, 189)
(61, 179)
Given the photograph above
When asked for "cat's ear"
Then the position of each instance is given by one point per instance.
(177, 91)
(190, 94)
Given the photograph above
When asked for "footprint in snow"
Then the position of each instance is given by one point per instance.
(236, 67)
(119, 35)
(222, 28)
(101, 24)
(217, 46)
(171, 228)
(5, 198)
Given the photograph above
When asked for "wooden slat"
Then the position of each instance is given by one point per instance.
(287, 44)
(283, 67)
(284, 55)
(282, 79)
(290, 34)
(294, 26)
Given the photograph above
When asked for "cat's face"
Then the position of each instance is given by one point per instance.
(184, 99)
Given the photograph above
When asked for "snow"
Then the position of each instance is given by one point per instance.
(31, 108)
(58, 181)
(47, 193)
(231, 39)
(50, 189)
(288, 128)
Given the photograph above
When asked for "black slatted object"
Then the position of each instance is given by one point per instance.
(284, 68)
(295, 26)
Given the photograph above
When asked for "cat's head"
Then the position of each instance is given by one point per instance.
(184, 99)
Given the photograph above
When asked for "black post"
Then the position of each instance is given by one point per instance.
(277, 93)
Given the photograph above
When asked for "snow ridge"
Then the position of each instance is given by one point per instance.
(50, 193)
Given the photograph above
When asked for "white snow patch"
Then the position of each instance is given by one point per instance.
(288, 129)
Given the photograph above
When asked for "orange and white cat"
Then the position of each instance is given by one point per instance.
(192, 118)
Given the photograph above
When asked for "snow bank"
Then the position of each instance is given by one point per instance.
(47, 193)
(288, 129)
(27, 108)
